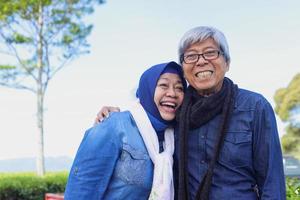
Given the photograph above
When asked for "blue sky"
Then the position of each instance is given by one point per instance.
(128, 37)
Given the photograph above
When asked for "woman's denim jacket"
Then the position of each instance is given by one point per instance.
(111, 163)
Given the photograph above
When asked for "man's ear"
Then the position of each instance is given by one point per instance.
(227, 64)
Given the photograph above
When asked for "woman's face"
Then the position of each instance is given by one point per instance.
(206, 76)
(168, 95)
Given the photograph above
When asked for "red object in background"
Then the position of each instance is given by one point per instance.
(50, 196)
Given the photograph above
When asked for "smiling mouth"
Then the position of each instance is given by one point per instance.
(204, 74)
(168, 104)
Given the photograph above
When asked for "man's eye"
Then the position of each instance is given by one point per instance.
(210, 53)
(191, 56)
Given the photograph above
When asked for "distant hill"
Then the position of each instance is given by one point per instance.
(28, 164)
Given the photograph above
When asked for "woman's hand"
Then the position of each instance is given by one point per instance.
(104, 113)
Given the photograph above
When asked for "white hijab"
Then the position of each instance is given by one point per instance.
(162, 186)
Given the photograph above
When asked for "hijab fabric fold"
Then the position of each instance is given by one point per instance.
(162, 185)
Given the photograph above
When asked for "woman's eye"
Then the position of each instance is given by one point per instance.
(180, 89)
(163, 85)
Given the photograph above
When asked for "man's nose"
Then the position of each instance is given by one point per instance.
(201, 60)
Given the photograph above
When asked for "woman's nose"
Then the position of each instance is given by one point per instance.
(171, 92)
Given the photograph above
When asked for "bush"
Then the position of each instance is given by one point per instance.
(56, 182)
(292, 189)
(28, 186)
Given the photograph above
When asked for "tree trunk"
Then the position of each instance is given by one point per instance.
(40, 163)
(40, 96)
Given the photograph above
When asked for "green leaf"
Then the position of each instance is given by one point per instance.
(7, 67)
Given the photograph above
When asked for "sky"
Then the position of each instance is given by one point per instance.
(130, 36)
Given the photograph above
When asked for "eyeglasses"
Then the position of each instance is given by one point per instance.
(207, 55)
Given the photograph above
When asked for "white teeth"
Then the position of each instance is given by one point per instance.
(203, 75)
(168, 104)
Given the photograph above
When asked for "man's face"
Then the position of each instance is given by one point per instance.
(206, 76)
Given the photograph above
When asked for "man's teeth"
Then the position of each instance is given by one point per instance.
(203, 75)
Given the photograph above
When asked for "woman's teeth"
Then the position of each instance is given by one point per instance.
(169, 104)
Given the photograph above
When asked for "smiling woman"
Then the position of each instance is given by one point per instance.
(130, 154)
(169, 85)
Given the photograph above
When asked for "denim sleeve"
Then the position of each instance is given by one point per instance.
(267, 156)
(94, 163)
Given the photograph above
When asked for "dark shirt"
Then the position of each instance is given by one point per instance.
(250, 162)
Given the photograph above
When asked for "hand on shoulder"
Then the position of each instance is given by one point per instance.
(104, 113)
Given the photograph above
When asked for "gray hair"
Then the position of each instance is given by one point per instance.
(199, 34)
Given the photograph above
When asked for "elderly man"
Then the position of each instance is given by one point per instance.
(227, 140)
(227, 144)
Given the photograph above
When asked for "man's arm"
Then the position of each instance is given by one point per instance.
(268, 163)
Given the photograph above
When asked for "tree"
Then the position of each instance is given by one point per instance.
(41, 37)
(288, 108)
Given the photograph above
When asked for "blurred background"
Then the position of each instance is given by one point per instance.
(128, 37)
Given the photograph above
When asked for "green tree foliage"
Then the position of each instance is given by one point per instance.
(288, 108)
(40, 37)
(291, 140)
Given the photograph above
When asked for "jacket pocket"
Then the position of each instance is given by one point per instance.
(237, 149)
(134, 167)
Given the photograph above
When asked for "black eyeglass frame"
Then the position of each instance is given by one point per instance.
(182, 57)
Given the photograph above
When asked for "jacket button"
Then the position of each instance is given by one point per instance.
(75, 170)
